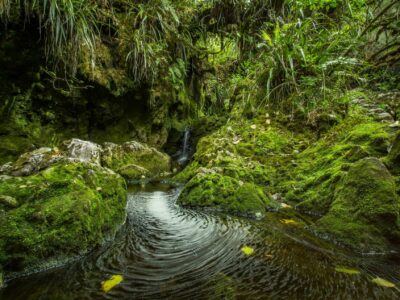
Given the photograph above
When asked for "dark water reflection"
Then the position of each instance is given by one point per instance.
(166, 252)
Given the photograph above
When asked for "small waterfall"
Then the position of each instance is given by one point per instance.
(185, 151)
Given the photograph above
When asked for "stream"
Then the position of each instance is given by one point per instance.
(167, 252)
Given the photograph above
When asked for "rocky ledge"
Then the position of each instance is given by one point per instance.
(57, 203)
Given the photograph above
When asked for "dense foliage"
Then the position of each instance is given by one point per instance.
(301, 57)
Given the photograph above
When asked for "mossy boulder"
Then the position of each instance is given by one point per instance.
(235, 167)
(226, 193)
(393, 159)
(133, 160)
(365, 211)
(320, 167)
(82, 150)
(62, 211)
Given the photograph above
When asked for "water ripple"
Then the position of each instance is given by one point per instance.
(165, 251)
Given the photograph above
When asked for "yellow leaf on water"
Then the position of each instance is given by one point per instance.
(247, 250)
(342, 269)
(383, 282)
(114, 280)
(289, 222)
(284, 205)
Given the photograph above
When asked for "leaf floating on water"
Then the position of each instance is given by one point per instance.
(114, 280)
(342, 269)
(289, 222)
(383, 282)
(247, 250)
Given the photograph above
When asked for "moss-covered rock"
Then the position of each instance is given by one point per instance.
(62, 211)
(365, 211)
(133, 159)
(311, 172)
(225, 193)
(235, 168)
(318, 169)
(393, 158)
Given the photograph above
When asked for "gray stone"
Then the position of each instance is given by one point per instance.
(8, 201)
(84, 151)
(384, 117)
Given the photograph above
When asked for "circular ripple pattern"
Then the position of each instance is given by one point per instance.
(164, 252)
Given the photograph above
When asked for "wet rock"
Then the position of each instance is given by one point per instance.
(133, 171)
(84, 151)
(395, 125)
(58, 212)
(358, 101)
(377, 111)
(384, 117)
(8, 201)
(135, 159)
(6, 168)
(31, 162)
(5, 177)
(277, 197)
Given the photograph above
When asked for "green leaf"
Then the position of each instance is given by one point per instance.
(247, 250)
(347, 270)
(266, 37)
(383, 282)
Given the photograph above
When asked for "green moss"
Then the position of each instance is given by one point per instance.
(133, 160)
(393, 159)
(320, 167)
(240, 156)
(62, 211)
(226, 193)
(365, 211)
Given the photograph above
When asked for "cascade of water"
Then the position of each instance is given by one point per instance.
(185, 152)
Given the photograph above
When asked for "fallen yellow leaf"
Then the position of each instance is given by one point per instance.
(289, 222)
(114, 280)
(247, 250)
(284, 205)
(342, 269)
(383, 282)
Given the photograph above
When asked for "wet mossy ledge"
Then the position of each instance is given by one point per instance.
(58, 203)
(345, 177)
